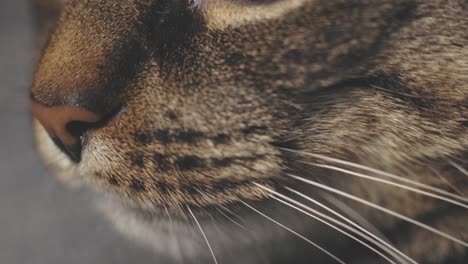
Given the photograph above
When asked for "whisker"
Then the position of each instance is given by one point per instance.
(230, 219)
(454, 188)
(360, 175)
(333, 226)
(218, 229)
(322, 217)
(395, 92)
(458, 167)
(168, 214)
(383, 243)
(221, 206)
(171, 231)
(359, 219)
(295, 233)
(204, 235)
(380, 208)
(231, 212)
(382, 173)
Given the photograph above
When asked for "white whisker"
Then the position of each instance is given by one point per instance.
(239, 218)
(295, 233)
(458, 167)
(380, 208)
(203, 233)
(372, 178)
(230, 219)
(457, 190)
(218, 229)
(382, 173)
(359, 219)
(384, 243)
(320, 217)
(171, 231)
(168, 214)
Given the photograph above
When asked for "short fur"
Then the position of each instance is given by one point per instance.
(205, 98)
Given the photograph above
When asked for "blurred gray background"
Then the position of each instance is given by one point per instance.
(41, 222)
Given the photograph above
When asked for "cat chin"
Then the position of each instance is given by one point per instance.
(172, 240)
(180, 240)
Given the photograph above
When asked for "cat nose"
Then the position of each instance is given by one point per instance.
(65, 125)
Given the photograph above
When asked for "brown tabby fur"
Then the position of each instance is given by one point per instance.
(203, 97)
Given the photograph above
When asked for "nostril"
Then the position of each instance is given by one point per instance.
(78, 128)
(72, 151)
(65, 125)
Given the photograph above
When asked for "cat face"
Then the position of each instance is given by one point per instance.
(206, 104)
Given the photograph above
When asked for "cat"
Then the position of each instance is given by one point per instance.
(253, 131)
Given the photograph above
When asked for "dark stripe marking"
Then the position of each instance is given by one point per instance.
(163, 187)
(137, 159)
(189, 163)
(113, 181)
(161, 162)
(138, 185)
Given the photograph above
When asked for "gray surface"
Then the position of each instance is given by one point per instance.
(40, 220)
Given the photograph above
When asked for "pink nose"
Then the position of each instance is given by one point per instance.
(65, 125)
